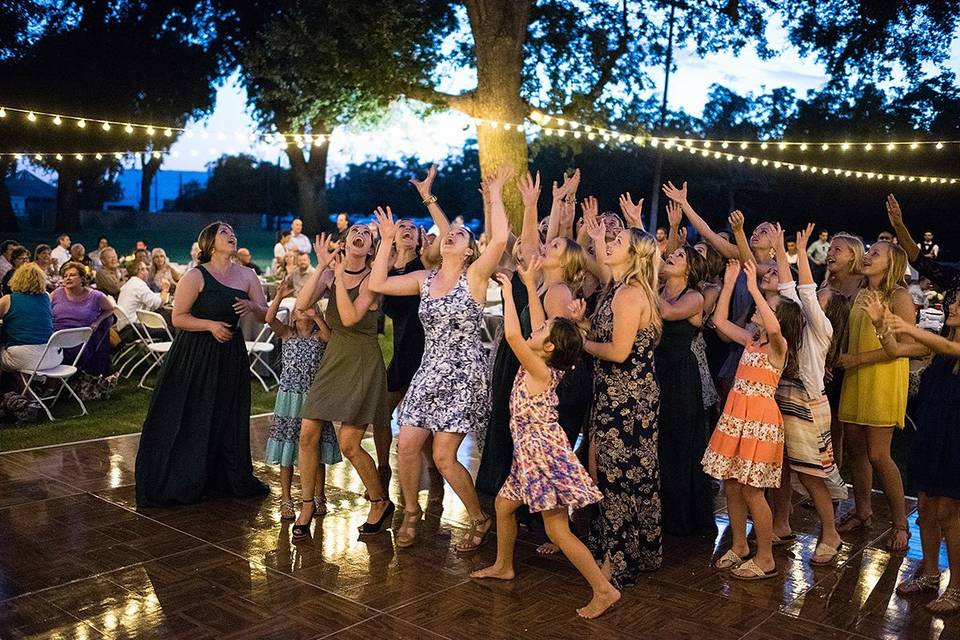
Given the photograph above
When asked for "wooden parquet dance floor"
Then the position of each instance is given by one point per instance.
(78, 561)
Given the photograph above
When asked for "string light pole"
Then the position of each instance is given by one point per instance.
(658, 166)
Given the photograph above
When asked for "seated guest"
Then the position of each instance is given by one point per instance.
(245, 259)
(135, 294)
(96, 255)
(61, 252)
(79, 254)
(280, 249)
(42, 255)
(300, 275)
(18, 257)
(27, 322)
(286, 268)
(75, 304)
(5, 248)
(160, 269)
(110, 277)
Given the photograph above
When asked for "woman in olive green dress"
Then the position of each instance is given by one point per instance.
(350, 388)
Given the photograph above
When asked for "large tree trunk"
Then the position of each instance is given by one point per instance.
(150, 168)
(310, 176)
(8, 220)
(68, 197)
(499, 30)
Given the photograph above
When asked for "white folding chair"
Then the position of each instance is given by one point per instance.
(129, 354)
(60, 340)
(261, 346)
(156, 349)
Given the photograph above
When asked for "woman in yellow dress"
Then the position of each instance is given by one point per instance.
(873, 399)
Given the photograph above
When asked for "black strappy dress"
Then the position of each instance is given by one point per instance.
(196, 436)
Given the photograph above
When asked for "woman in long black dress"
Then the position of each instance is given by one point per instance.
(196, 436)
(684, 488)
(625, 535)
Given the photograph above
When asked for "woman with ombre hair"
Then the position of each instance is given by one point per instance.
(625, 534)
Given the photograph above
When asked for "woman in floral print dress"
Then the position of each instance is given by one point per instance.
(625, 534)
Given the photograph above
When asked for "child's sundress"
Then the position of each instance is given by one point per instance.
(545, 473)
(747, 444)
(301, 358)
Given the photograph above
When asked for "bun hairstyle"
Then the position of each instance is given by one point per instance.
(207, 239)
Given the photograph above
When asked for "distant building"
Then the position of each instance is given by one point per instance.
(165, 188)
(31, 196)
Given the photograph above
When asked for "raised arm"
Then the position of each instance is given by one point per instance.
(632, 212)
(721, 314)
(284, 289)
(530, 193)
(352, 311)
(425, 189)
(778, 344)
(895, 215)
(483, 267)
(689, 306)
(512, 333)
(743, 245)
(675, 238)
(783, 267)
(406, 284)
(595, 229)
(718, 242)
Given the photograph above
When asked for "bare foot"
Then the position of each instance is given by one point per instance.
(548, 549)
(494, 571)
(600, 603)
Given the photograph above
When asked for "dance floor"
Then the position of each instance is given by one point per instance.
(78, 561)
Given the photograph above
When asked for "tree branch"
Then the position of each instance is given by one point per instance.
(606, 69)
(465, 102)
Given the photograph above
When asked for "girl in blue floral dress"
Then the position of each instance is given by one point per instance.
(545, 474)
(303, 343)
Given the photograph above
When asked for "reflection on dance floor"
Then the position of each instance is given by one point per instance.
(77, 561)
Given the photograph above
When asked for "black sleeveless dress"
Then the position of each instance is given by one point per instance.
(684, 488)
(407, 332)
(196, 436)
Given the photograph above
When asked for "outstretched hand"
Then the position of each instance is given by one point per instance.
(529, 189)
(506, 286)
(321, 244)
(528, 273)
(731, 273)
(803, 237)
(674, 214)
(388, 228)
(736, 221)
(500, 177)
(894, 213)
(778, 244)
(677, 195)
(750, 269)
(577, 309)
(631, 211)
(425, 186)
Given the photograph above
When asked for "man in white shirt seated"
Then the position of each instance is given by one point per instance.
(297, 240)
(135, 294)
(61, 253)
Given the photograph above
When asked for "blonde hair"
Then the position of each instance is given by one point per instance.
(28, 278)
(855, 244)
(573, 264)
(893, 277)
(643, 272)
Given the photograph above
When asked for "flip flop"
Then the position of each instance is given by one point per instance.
(779, 541)
(823, 549)
(754, 572)
(730, 560)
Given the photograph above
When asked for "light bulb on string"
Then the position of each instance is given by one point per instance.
(764, 145)
(845, 146)
(890, 146)
(3, 112)
(128, 128)
(150, 131)
(743, 145)
(824, 146)
(782, 145)
(803, 147)
(914, 145)
(939, 145)
(82, 124)
(868, 147)
(57, 120)
(31, 117)
(105, 126)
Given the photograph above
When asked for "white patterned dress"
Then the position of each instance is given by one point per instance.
(450, 390)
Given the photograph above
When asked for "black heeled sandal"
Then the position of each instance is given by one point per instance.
(301, 531)
(381, 525)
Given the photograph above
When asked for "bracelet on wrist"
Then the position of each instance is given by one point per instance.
(429, 200)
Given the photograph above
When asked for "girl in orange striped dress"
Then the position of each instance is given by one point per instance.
(746, 449)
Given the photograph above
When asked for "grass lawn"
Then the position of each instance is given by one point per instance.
(122, 413)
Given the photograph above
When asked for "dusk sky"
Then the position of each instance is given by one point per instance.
(402, 133)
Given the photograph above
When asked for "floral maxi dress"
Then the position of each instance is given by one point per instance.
(545, 473)
(623, 424)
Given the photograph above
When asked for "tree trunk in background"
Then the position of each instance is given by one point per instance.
(499, 30)
(8, 221)
(150, 168)
(310, 175)
(68, 197)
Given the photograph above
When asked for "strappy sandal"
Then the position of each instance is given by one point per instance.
(897, 528)
(852, 522)
(302, 531)
(476, 535)
(730, 560)
(753, 572)
(919, 583)
(824, 549)
(286, 510)
(319, 506)
(407, 534)
(950, 597)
